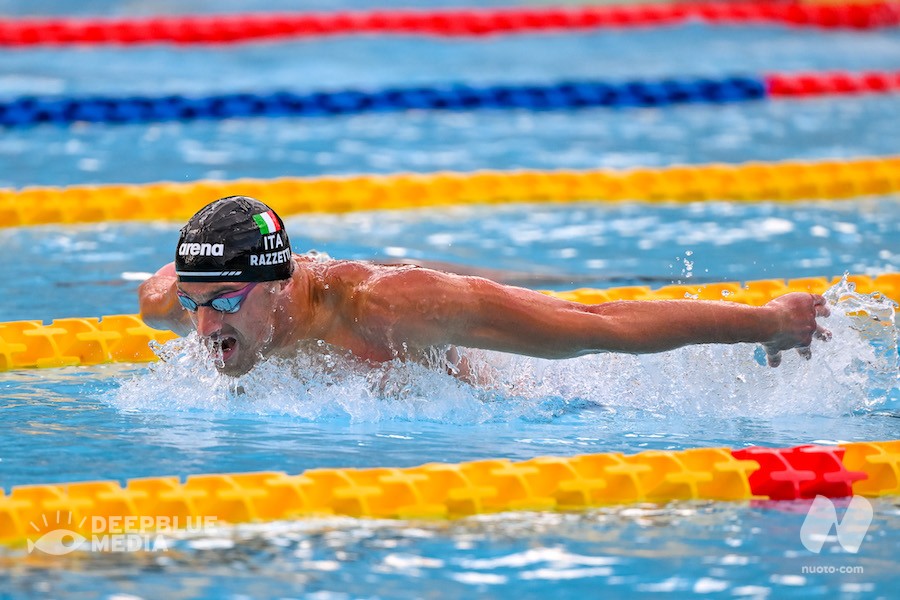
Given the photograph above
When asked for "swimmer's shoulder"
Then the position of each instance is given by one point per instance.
(335, 275)
(352, 280)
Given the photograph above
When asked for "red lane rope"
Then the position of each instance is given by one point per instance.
(226, 29)
(838, 82)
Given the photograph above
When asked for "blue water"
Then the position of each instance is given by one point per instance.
(371, 62)
(179, 418)
(427, 142)
(710, 549)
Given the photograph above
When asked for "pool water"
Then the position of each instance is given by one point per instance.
(178, 417)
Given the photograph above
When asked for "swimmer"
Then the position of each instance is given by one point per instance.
(237, 283)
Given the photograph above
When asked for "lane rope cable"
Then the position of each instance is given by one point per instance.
(28, 111)
(454, 22)
(445, 490)
(785, 181)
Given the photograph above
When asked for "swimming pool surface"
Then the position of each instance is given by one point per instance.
(178, 417)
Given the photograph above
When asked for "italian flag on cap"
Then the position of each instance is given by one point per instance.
(267, 222)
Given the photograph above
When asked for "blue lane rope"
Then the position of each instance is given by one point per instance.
(31, 110)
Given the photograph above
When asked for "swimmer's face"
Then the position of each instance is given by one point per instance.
(242, 337)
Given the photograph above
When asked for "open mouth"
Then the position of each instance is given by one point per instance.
(225, 347)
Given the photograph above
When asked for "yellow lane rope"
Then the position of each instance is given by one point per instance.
(125, 338)
(756, 181)
(443, 490)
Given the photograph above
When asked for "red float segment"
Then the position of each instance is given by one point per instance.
(833, 479)
(776, 478)
(800, 472)
(227, 29)
(817, 84)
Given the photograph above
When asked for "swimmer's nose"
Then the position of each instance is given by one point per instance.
(209, 321)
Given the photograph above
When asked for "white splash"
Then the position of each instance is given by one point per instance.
(857, 371)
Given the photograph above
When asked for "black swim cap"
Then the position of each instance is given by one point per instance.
(234, 239)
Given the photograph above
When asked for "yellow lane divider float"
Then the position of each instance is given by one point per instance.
(125, 338)
(755, 181)
(440, 490)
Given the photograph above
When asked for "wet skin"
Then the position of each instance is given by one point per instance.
(378, 313)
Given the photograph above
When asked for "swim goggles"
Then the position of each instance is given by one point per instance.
(229, 302)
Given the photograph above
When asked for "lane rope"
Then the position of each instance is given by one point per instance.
(27, 111)
(443, 490)
(466, 22)
(125, 338)
(33, 110)
(785, 181)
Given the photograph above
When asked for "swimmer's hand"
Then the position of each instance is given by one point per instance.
(159, 304)
(795, 317)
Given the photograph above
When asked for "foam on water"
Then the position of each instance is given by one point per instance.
(855, 372)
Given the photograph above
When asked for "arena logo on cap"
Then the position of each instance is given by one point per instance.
(195, 249)
(267, 222)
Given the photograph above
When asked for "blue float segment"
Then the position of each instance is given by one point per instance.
(562, 96)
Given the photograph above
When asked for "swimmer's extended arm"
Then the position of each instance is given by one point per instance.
(159, 304)
(432, 308)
